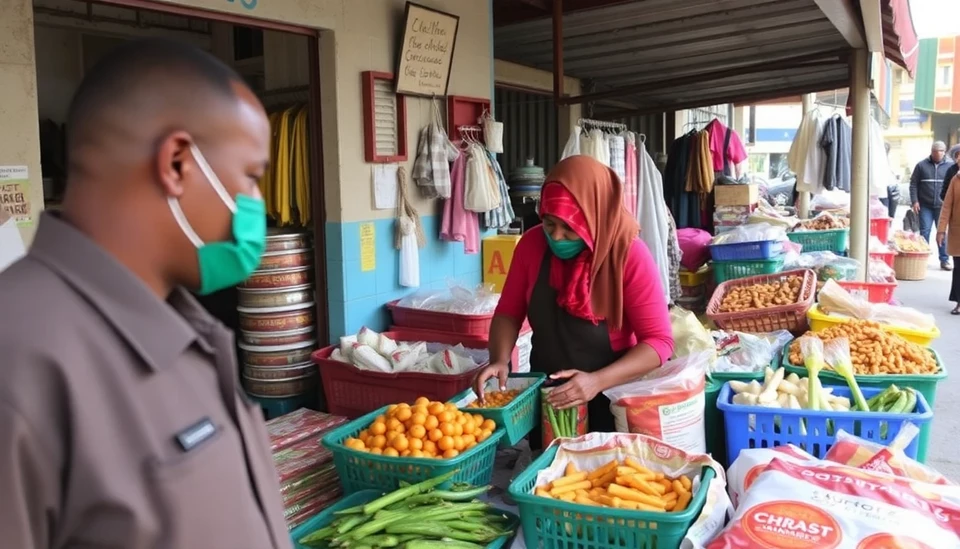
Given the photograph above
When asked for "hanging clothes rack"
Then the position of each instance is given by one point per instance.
(601, 124)
(471, 134)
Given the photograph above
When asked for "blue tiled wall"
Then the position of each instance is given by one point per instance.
(357, 298)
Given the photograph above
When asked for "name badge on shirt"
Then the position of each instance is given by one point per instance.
(196, 434)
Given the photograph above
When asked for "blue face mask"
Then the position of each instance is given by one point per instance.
(565, 249)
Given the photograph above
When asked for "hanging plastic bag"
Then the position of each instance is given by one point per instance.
(572, 148)
(492, 133)
(478, 194)
(409, 254)
(668, 403)
(689, 335)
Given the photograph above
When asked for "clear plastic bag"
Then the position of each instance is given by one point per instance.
(455, 299)
(827, 265)
(756, 232)
(689, 335)
(740, 352)
(879, 271)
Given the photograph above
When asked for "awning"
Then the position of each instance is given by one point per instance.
(900, 43)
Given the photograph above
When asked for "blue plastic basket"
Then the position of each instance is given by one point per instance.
(326, 516)
(777, 426)
(742, 251)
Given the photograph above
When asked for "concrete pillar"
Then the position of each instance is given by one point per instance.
(860, 184)
(803, 201)
(20, 138)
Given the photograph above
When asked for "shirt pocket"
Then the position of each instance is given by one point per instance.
(203, 499)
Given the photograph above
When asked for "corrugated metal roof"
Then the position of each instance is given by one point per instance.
(676, 54)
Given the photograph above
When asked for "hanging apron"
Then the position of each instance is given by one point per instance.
(562, 341)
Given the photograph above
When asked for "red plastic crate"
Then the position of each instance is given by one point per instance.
(469, 325)
(886, 257)
(352, 392)
(875, 292)
(880, 228)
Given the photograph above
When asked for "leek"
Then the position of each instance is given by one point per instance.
(837, 353)
(812, 349)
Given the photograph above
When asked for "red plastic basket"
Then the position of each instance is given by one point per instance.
(880, 228)
(874, 292)
(886, 257)
(352, 392)
(471, 325)
(792, 318)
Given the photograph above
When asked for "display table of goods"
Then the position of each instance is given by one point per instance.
(308, 479)
(879, 359)
(277, 317)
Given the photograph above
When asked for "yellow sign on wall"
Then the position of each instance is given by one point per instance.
(497, 256)
(368, 247)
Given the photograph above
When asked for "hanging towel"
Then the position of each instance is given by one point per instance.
(675, 257)
(594, 145)
(459, 225)
(617, 148)
(408, 234)
(700, 176)
(806, 157)
(431, 169)
(405, 208)
(572, 147)
(481, 193)
(503, 216)
(652, 214)
(630, 181)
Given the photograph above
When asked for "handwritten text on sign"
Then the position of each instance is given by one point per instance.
(427, 51)
(15, 193)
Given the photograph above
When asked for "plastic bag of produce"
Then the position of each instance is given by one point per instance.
(854, 451)
(689, 335)
(457, 299)
(820, 505)
(750, 463)
(594, 452)
(668, 403)
(741, 352)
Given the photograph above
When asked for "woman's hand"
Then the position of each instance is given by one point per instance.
(499, 371)
(940, 237)
(581, 388)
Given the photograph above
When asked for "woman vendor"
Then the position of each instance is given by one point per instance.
(591, 291)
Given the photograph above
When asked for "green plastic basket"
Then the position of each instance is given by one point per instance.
(519, 416)
(925, 384)
(833, 240)
(365, 471)
(326, 516)
(555, 524)
(731, 270)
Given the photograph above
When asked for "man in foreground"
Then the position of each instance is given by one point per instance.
(121, 420)
(925, 197)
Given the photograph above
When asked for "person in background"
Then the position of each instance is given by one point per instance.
(892, 200)
(949, 224)
(122, 423)
(925, 184)
(591, 291)
(953, 153)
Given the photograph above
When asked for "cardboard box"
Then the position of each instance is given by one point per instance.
(736, 195)
(497, 255)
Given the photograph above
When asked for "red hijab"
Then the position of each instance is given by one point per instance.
(588, 197)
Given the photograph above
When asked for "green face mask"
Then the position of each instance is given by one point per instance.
(225, 264)
(565, 249)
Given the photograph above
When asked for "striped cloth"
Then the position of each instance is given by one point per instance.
(502, 216)
(617, 156)
(630, 182)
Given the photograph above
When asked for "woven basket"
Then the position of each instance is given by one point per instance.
(909, 266)
(792, 318)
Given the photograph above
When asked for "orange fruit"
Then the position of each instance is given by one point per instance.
(484, 435)
(393, 424)
(417, 432)
(448, 454)
(447, 429)
(429, 447)
(445, 416)
(378, 441)
(422, 401)
(418, 418)
(391, 409)
(458, 443)
(399, 443)
(376, 451)
(436, 435)
(391, 452)
(416, 454)
(445, 443)
(405, 453)
(403, 414)
(431, 423)
(378, 428)
(477, 419)
(488, 425)
(451, 407)
(364, 435)
(458, 429)
(471, 446)
(436, 408)
(461, 419)
(469, 441)
(469, 426)
(415, 443)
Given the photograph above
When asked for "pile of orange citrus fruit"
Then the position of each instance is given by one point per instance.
(495, 399)
(425, 429)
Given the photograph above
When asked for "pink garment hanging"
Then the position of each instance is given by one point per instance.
(458, 224)
(630, 182)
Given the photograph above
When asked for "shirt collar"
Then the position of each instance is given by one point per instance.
(158, 331)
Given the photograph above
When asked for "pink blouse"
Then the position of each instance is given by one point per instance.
(646, 318)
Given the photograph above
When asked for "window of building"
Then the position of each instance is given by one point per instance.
(945, 76)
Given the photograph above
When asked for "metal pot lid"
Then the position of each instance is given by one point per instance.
(296, 366)
(287, 333)
(280, 309)
(283, 379)
(288, 252)
(285, 289)
(276, 348)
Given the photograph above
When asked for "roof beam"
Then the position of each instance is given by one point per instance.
(661, 84)
(845, 18)
(872, 24)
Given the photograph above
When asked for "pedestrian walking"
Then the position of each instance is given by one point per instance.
(925, 185)
(122, 423)
(949, 224)
(953, 153)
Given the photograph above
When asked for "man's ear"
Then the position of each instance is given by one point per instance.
(174, 163)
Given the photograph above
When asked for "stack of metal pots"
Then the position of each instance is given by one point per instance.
(277, 312)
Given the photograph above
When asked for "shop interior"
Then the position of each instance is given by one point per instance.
(282, 68)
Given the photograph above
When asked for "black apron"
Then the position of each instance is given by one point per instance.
(562, 341)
